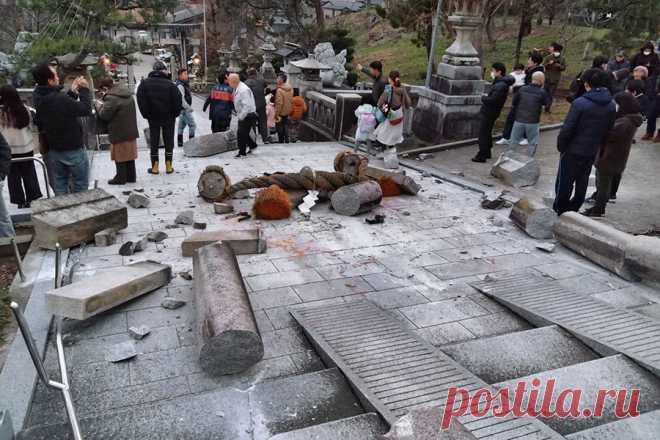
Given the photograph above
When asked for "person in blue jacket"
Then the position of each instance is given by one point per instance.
(585, 129)
(221, 101)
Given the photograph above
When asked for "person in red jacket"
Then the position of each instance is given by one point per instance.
(298, 111)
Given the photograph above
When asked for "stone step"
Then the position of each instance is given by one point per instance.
(610, 373)
(394, 371)
(363, 427)
(644, 427)
(299, 402)
(505, 357)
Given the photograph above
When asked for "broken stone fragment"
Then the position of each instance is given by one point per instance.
(121, 352)
(199, 225)
(163, 194)
(223, 208)
(546, 247)
(534, 217)
(516, 170)
(186, 275)
(172, 303)
(127, 249)
(138, 200)
(156, 236)
(242, 242)
(139, 333)
(106, 237)
(141, 245)
(185, 218)
(242, 194)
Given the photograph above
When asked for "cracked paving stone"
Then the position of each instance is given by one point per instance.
(139, 332)
(121, 352)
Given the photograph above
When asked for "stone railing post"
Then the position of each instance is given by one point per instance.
(346, 104)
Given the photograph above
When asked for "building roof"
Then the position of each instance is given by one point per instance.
(349, 5)
(188, 13)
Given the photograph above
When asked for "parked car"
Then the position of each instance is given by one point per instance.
(163, 55)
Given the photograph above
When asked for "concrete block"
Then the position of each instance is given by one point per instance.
(73, 219)
(106, 237)
(642, 257)
(107, 289)
(211, 144)
(242, 242)
(230, 341)
(600, 243)
(516, 170)
(533, 217)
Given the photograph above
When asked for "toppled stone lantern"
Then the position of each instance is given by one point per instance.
(267, 69)
(234, 58)
(450, 108)
(305, 74)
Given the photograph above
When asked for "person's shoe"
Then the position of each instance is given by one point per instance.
(479, 159)
(647, 137)
(524, 142)
(116, 181)
(154, 168)
(656, 139)
(27, 205)
(168, 167)
(239, 156)
(593, 212)
(591, 198)
(21, 205)
(502, 142)
(179, 140)
(191, 136)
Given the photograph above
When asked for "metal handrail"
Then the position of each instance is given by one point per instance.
(19, 261)
(43, 165)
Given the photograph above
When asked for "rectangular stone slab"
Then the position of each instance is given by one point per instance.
(242, 242)
(107, 289)
(74, 218)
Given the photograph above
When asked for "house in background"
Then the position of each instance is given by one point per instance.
(334, 8)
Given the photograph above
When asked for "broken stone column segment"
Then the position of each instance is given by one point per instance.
(211, 144)
(227, 330)
(107, 289)
(73, 219)
(357, 198)
(406, 183)
(242, 241)
(534, 217)
(138, 200)
(517, 170)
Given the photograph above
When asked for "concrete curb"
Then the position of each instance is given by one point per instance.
(629, 256)
(19, 377)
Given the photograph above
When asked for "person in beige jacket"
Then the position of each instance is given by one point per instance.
(283, 107)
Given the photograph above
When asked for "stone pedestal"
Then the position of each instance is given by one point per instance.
(449, 109)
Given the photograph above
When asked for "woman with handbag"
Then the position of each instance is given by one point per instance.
(391, 106)
(15, 126)
(117, 110)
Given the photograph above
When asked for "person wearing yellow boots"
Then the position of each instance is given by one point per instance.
(160, 103)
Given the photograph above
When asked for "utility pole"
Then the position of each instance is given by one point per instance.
(434, 34)
(206, 52)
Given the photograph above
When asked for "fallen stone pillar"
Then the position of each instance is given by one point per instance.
(357, 198)
(213, 184)
(516, 170)
(643, 257)
(406, 183)
(75, 218)
(242, 241)
(211, 144)
(230, 341)
(600, 243)
(107, 289)
(533, 217)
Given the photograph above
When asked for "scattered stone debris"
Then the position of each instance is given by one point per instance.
(244, 216)
(434, 197)
(106, 237)
(377, 220)
(186, 275)
(222, 208)
(127, 193)
(457, 173)
(498, 203)
(199, 225)
(185, 218)
(138, 200)
(170, 303)
(127, 249)
(424, 156)
(141, 245)
(546, 247)
(121, 352)
(496, 221)
(139, 333)
(69, 340)
(139, 190)
(243, 194)
(440, 181)
(163, 194)
(171, 226)
(426, 174)
(406, 213)
(156, 236)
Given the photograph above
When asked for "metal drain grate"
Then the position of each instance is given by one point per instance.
(393, 370)
(605, 328)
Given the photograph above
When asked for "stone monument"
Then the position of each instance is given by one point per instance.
(449, 110)
(267, 69)
(336, 75)
(305, 74)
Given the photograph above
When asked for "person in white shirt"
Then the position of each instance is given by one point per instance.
(15, 126)
(246, 113)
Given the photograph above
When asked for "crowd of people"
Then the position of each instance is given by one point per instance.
(609, 102)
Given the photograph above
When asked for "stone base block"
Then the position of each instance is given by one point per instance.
(439, 117)
(242, 242)
(107, 289)
(516, 170)
(459, 72)
(211, 144)
(533, 217)
(457, 87)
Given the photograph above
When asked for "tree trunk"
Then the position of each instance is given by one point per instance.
(320, 17)
(521, 29)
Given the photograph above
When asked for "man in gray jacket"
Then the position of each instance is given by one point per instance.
(527, 105)
(187, 116)
(246, 113)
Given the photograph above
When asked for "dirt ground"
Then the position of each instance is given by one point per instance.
(7, 273)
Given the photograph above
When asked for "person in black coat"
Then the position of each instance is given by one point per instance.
(6, 226)
(491, 107)
(600, 63)
(258, 87)
(160, 103)
(585, 129)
